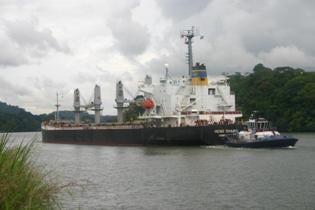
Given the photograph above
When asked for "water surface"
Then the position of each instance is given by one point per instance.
(182, 177)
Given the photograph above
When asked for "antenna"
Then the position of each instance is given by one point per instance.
(57, 108)
(189, 35)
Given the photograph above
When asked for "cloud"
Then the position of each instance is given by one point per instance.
(10, 54)
(27, 34)
(23, 41)
(131, 38)
(8, 88)
(12, 93)
(287, 56)
(276, 23)
(181, 9)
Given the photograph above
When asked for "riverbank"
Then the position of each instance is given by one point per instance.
(22, 184)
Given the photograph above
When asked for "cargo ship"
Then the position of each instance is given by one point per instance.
(190, 110)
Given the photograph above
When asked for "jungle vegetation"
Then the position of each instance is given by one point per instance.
(284, 95)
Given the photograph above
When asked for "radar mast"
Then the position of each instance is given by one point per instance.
(189, 35)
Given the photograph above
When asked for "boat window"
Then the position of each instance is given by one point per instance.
(211, 91)
(158, 109)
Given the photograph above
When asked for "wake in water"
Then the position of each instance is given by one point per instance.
(215, 147)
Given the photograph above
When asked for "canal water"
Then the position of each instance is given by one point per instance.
(109, 177)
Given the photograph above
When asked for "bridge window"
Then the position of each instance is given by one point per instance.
(211, 91)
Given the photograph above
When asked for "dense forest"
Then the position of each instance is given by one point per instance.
(286, 96)
(15, 119)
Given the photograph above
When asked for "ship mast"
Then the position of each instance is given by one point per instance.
(189, 35)
(57, 109)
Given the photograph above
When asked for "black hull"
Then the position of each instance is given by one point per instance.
(276, 143)
(168, 136)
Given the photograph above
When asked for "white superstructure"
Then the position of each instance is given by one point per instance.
(211, 101)
(257, 129)
(190, 100)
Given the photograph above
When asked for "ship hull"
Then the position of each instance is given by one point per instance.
(164, 136)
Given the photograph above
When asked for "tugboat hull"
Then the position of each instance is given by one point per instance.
(276, 142)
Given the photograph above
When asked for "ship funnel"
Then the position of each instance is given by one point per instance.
(97, 103)
(120, 99)
(76, 105)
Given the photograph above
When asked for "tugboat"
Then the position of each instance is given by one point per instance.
(258, 133)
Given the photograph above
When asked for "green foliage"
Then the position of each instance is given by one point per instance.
(22, 185)
(15, 119)
(133, 112)
(285, 95)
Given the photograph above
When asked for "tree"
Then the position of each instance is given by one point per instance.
(285, 95)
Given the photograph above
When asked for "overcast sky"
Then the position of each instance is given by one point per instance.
(49, 46)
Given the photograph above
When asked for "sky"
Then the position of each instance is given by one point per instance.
(50, 46)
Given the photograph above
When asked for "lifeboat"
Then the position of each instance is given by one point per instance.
(147, 104)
